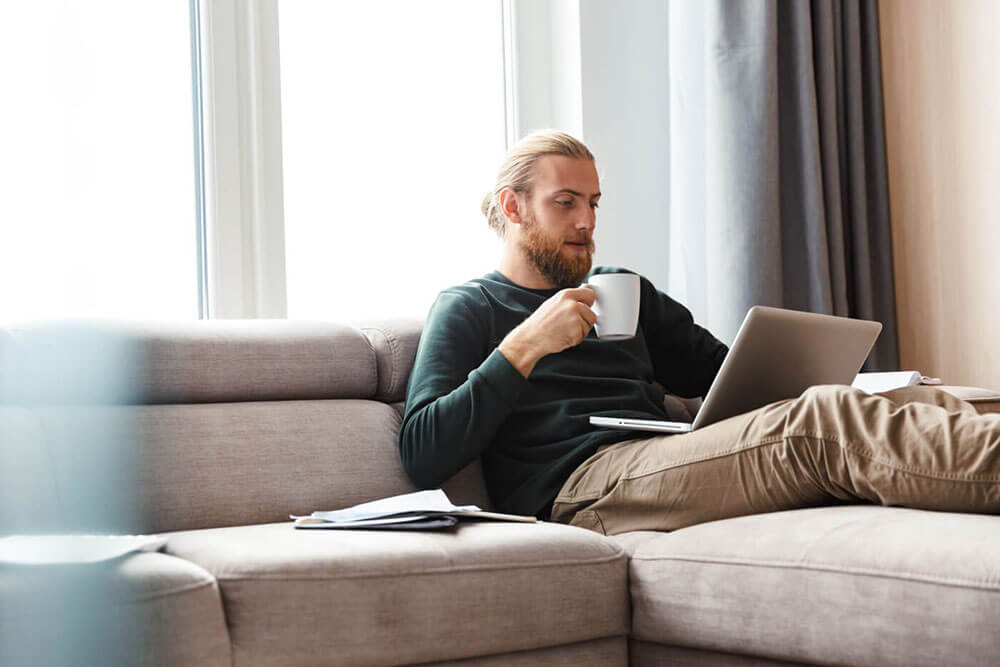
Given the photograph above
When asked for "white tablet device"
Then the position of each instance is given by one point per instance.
(777, 355)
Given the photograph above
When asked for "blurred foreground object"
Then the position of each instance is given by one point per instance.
(66, 467)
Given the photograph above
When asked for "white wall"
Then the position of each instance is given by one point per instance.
(598, 69)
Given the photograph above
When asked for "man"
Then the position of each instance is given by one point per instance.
(509, 369)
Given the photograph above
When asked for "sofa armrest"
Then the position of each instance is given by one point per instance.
(984, 400)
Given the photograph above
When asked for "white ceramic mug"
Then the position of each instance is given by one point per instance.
(616, 305)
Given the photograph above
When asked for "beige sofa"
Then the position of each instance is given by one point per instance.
(213, 432)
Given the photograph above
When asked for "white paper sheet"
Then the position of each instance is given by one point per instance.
(885, 381)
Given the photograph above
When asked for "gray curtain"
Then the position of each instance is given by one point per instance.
(778, 180)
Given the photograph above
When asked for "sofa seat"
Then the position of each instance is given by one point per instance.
(143, 609)
(298, 597)
(855, 584)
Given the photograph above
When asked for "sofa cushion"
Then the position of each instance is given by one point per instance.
(301, 597)
(631, 541)
(650, 654)
(468, 487)
(255, 360)
(971, 394)
(152, 468)
(191, 362)
(28, 494)
(148, 609)
(832, 585)
(606, 652)
(395, 344)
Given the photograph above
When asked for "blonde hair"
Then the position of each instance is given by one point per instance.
(517, 170)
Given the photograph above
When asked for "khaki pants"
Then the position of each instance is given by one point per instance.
(916, 446)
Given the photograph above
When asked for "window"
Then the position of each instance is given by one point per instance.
(97, 203)
(362, 203)
(392, 131)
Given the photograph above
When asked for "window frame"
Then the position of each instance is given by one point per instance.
(243, 195)
(243, 230)
(547, 47)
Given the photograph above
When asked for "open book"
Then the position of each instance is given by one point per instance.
(886, 381)
(421, 510)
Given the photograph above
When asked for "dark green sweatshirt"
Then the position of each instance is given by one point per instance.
(464, 399)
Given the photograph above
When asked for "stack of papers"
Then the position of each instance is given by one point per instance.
(422, 510)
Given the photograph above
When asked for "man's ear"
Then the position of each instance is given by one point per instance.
(510, 205)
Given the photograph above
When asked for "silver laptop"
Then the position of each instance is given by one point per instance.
(777, 354)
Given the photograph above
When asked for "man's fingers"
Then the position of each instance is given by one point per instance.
(584, 294)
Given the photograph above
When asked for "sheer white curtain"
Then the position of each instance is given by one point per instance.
(722, 217)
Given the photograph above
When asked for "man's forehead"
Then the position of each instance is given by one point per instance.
(560, 172)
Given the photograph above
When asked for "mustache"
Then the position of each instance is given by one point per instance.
(586, 240)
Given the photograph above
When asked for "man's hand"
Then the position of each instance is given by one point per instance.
(562, 321)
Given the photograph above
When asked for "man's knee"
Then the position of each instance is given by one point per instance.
(836, 393)
(929, 395)
(825, 409)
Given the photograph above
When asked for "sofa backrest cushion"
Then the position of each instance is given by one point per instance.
(233, 422)
(241, 463)
(257, 360)
(209, 361)
(395, 345)
(28, 494)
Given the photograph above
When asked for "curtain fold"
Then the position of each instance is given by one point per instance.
(779, 187)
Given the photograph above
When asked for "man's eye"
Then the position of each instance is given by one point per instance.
(565, 202)
(594, 205)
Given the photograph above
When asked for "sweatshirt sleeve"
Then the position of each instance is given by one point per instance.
(685, 356)
(458, 395)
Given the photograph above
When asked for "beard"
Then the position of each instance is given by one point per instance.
(546, 255)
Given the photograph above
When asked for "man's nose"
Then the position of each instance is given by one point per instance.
(588, 220)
